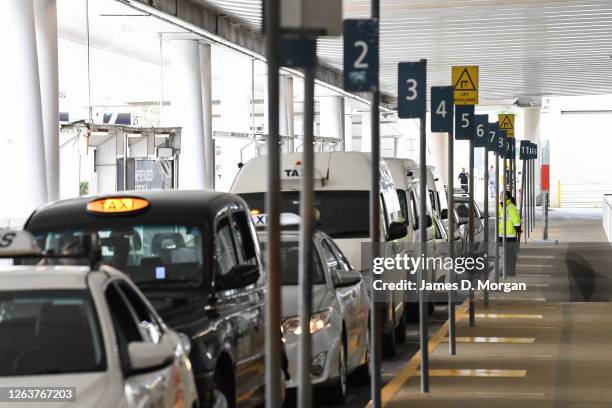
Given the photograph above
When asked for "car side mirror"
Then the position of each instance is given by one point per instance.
(429, 221)
(397, 230)
(239, 276)
(347, 278)
(146, 356)
(444, 213)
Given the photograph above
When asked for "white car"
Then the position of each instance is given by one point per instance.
(89, 330)
(340, 310)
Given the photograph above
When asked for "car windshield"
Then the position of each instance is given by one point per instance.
(343, 214)
(149, 254)
(289, 263)
(49, 332)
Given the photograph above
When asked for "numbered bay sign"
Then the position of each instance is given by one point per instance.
(500, 146)
(481, 127)
(464, 122)
(492, 136)
(523, 149)
(512, 153)
(411, 89)
(442, 108)
(361, 55)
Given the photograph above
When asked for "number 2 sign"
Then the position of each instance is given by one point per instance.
(360, 55)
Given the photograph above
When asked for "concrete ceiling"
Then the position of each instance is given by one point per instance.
(523, 47)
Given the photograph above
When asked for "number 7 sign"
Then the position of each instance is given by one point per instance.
(442, 108)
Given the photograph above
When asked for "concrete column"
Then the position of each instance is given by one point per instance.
(286, 117)
(187, 111)
(347, 144)
(531, 132)
(332, 117)
(366, 131)
(46, 39)
(209, 149)
(22, 153)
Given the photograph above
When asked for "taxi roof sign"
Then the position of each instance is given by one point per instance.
(15, 243)
(465, 84)
(286, 219)
(114, 205)
(506, 122)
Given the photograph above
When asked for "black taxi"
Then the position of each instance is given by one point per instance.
(195, 256)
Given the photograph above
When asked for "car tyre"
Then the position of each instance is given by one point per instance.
(362, 375)
(224, 382)
(389, 343)
(339, 389)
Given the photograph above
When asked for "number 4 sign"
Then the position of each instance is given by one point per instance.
(411, 89)
(442, 108)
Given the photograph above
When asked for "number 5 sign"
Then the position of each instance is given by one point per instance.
(442, 108)
(411, 89)
(360, 55)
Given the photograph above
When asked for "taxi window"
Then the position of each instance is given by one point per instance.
(49, 332)
(151, 254)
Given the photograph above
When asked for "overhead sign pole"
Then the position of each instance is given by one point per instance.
(501, 145)
(273, 310)
(481, 123)
(361, 61)
(442, 113)
(493, 143)
(522, 156)
(465, 87)
(411, 103)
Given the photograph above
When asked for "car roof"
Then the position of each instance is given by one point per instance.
(164, 205)
(41, 277)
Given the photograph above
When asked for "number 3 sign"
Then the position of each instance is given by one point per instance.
(411, 89)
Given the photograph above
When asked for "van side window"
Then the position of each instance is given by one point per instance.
(244, 239)
(225, 251)
(403, 201)
(414, 208)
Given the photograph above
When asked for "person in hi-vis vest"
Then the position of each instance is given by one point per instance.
(513, 231)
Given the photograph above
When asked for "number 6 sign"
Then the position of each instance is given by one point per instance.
(360, 55)
(411, 89)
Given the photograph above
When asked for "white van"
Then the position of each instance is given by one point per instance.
(342, 198)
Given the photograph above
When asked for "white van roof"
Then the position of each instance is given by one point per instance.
(333, 171)
(399, 169)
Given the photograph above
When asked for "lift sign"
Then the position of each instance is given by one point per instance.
(465, 85)
(361, 55)
(506, 122)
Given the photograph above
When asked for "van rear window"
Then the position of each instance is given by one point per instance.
(343, 214)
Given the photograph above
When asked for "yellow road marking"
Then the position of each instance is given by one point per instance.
(393, 386)
(479, 339)
(476, 372)
(508, 316)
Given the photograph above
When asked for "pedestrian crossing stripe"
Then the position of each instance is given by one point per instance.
(506, 122)
(465, 84)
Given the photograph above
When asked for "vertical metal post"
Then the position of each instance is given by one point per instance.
(306, 230)
(514, 172)
(533, 195)
(423, 337)
(126, 147)
(452, 344)
(496, 217)
(504, 187)
(523, 191)
(546, 202)
(527, 199)
(486, 220)
(375, 309)
(471, 232)
(273, 310)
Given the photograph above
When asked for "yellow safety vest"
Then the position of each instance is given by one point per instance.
(512, 220)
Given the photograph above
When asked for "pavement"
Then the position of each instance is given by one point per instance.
(549, 346)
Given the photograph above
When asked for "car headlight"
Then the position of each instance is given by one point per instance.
(318, 321)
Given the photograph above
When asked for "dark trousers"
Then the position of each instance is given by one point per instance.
(510, 255)
(464, 187)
